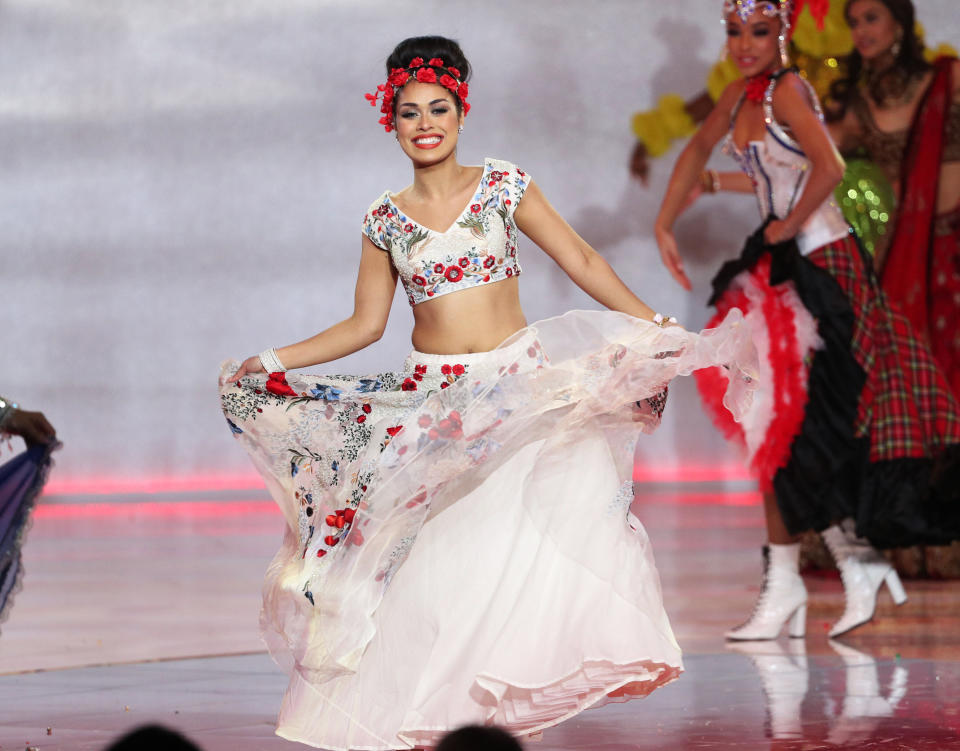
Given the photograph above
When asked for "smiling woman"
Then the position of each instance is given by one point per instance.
(454, 528)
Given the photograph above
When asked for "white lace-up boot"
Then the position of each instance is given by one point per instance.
(782, 597)
(785, 678)
(863, 705)
(862, 570)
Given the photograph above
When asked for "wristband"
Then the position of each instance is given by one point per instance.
(270, 362)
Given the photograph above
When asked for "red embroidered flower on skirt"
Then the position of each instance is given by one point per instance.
(277, 384)
(417, 279)
(408, 385)
(438, 268)
(475, 208)
(453, 273)
(393, 431)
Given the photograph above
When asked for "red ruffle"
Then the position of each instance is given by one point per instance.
(786, 364)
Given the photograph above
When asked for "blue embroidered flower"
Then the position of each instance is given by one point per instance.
(327, 393)
(368, 385)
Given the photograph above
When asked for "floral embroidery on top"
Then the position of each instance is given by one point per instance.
(480, 247)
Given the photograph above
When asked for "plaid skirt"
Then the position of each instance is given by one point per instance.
(879, 437)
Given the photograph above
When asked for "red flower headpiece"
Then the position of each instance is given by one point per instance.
(433, 71)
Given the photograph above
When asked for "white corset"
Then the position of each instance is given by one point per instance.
(779, 171)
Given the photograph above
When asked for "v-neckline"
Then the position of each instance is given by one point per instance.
(458, 217)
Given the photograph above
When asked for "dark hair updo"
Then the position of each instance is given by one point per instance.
(428, 48)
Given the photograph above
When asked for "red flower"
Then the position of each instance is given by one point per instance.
(444, 384)
(449, 81)
(454, 72)
(438, 268)
(459, 370)
(331, 540)
(408, 228)
(321, 553)
(420, 368)
(408, 385)
(418, 376)
(486, 278)
(427, 75)
(348, 515)
(277, 384)
(436, 62)
(331, 520)
(417, 279)
(446, 369)
(362, 419)
(464, 262)
(489, 261)
(393, 431)
(366, 408)
(462, 92)
(454, 273)
(416, 62)
(757, 87)
(475, 208)
(509, 271)
(466, 106)
(398, 77)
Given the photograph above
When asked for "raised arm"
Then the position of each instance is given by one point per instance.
(537, 219)
(792, 107)
(685, 175)
(376, 283)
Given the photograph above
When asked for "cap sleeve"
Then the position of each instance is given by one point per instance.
(374, 226)
(513, 183)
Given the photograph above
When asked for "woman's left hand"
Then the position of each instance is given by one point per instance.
(778, 231)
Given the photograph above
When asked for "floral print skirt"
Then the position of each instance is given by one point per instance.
(459, 547)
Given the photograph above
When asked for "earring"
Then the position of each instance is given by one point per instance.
(897, 45)
(460, 129)
(784, 57)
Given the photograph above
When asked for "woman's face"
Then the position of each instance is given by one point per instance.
(873, 28)
(753, 44)
(427, 121)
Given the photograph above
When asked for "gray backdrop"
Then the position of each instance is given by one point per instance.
(183, 181)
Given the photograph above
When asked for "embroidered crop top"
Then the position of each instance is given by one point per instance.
(887, 148)
(779, 171)
(478, 248)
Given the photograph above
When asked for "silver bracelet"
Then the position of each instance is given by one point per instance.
(270, 362)
(7, 408)
(661, 321)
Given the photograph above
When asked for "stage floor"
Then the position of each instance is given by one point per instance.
(142, 610)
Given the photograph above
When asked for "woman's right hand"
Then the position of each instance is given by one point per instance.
(670, 255)
(248, 367)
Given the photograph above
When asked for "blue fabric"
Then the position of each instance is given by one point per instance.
(21, 480)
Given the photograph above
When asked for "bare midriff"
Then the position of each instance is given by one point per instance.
(469, 320)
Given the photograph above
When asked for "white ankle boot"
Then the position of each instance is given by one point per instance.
(863, 570)
(785, 678)
(782, 597)
(864, 707)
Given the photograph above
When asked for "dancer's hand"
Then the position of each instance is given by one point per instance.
(778, 231)
(670, 255)
(248, 367)
(639, 166)
(33, 427)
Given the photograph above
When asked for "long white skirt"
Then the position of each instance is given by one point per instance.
(475, 561)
